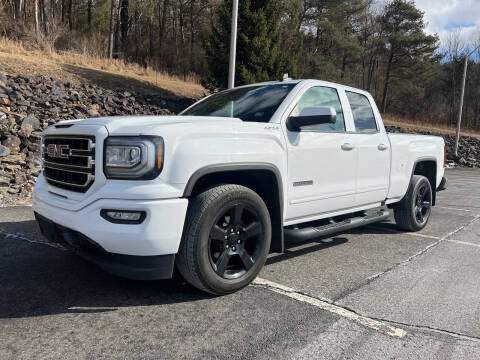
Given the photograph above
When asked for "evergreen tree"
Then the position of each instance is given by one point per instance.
(409, 49)
(332, 44)
(259, 56)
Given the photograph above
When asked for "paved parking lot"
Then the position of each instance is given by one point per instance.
(372, 293)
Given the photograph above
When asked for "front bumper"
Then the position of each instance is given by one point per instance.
(129, 266)
(159, 234)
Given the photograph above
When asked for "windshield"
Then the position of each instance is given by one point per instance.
(252, 103)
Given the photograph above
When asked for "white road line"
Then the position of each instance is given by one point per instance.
(335, 309)
(462, 180)
(452, 208)
(21, 236)
(453, 196)
(422, 235)
(464, 243)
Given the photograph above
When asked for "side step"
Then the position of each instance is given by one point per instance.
(309, 233)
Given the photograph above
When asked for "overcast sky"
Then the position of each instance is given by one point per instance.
(445, 16)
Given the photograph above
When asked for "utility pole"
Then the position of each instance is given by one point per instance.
(459, 121)
(233, 46)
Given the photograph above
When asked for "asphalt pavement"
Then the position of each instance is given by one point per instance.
(370, 293)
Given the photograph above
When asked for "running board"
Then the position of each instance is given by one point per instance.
(309, 233)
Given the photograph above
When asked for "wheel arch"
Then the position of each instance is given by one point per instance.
(428, 168)
(256, 176)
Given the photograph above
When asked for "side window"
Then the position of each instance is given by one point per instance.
(362, 112)
(321, 96)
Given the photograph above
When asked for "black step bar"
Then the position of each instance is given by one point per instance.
(309, 233)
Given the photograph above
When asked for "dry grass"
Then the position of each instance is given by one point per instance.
(392, 120)
(15, 58)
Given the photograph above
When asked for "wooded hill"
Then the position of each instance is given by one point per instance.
(380, 48)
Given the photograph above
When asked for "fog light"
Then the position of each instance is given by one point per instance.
(123, 216)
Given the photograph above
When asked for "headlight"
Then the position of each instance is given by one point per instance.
(133, 157)
(120, 156)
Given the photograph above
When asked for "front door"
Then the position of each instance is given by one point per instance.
(321, 161)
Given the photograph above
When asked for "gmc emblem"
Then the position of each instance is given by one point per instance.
(58, 151)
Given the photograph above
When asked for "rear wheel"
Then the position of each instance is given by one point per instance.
(226, 239)
(413, 212)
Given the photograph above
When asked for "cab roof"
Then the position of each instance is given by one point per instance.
(304, 81)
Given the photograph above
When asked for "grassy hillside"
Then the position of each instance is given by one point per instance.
(114, 74)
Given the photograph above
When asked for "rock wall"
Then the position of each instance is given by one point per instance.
(29, 104)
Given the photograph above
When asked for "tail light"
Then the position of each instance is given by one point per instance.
(444, 156)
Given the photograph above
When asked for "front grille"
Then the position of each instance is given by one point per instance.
(69, 161)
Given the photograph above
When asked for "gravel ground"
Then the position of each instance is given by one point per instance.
(372, 293)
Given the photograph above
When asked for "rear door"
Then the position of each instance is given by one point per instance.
(321, 160)
(374, 152)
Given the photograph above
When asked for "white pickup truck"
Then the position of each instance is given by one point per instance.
(213, 190)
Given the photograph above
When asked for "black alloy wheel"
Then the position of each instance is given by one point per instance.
(413, 211)
(226, 239)
(235, 241)
(423, 204)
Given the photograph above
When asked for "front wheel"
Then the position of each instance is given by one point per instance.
(226, 239)
(413, 212)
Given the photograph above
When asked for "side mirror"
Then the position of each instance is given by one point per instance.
(312, 116)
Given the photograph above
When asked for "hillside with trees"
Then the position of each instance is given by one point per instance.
(382, 48)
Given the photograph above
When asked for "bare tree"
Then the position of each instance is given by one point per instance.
(70, 14)
(89, 13)
(162, 22)
(455, 47)
(37, 27)
(18, 5)
(112, 29)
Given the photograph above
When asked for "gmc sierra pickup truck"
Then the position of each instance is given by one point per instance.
(213, 190)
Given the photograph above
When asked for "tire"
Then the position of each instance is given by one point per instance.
(413, 211)
(226, 239)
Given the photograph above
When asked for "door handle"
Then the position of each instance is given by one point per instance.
(347, 147)
(382, 147)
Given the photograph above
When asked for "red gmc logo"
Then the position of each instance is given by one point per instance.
(58, 151)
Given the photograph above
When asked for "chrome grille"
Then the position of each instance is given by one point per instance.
(69, 161)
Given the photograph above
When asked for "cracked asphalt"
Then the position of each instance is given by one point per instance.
(371, 293)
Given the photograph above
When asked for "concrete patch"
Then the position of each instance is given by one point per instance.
(470, 235)
(328, 306)
(442, 222)
(440, 289)
(335, 266)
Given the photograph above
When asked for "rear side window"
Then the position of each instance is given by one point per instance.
(362, 112)
(319, 96)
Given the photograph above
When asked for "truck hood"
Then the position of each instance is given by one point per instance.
(142, 124)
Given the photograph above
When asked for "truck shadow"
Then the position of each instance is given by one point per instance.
(321, 244)
(38, 279)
